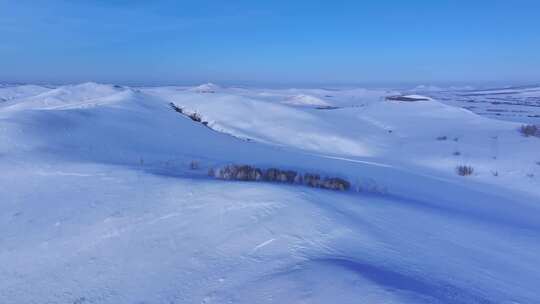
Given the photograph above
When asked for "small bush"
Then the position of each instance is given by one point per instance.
(406, 98)
(464, 170)
(276, 175)
(195, 117)
(176, 108)
(326, 108)
(312, 180)
(442, 138)
(529, 130)
(194, 165)
(456, 153)
(234, 172)
(495, 173)
(335, 184)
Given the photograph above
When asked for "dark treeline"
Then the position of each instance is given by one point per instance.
(249, 173)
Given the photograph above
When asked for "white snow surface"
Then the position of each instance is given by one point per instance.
(98, 204)
(305, 100)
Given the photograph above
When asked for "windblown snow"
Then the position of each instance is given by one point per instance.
(100, 202)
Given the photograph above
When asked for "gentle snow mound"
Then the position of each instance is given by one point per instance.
(69, 96)
(305, 100)
(10, 93)
(206, 88)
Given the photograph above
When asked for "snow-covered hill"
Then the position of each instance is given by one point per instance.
(425, 136)
(98, 203)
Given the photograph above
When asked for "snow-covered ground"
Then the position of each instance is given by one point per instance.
(519, 104)
(98, 203)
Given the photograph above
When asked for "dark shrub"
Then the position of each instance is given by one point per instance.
(276, 175)
(529, 130)
(335, 184)
(282, 177)
(195, 117)
(298, 179)
(242, 173)
(326, 108)
(464, 170)
(442, 138)
(176, 108)
(194, 165)
(272, 174)
(405, 98)
(312, 180)
(256, 175)
(234, 172)
(291, 176)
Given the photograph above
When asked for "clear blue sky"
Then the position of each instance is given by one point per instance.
(251, 41)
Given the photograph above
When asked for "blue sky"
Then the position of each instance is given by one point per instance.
(270, 42)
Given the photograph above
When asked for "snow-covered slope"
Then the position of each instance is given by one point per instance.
(71, 96)
(427, 135)
(8, 93)
(98, 203)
